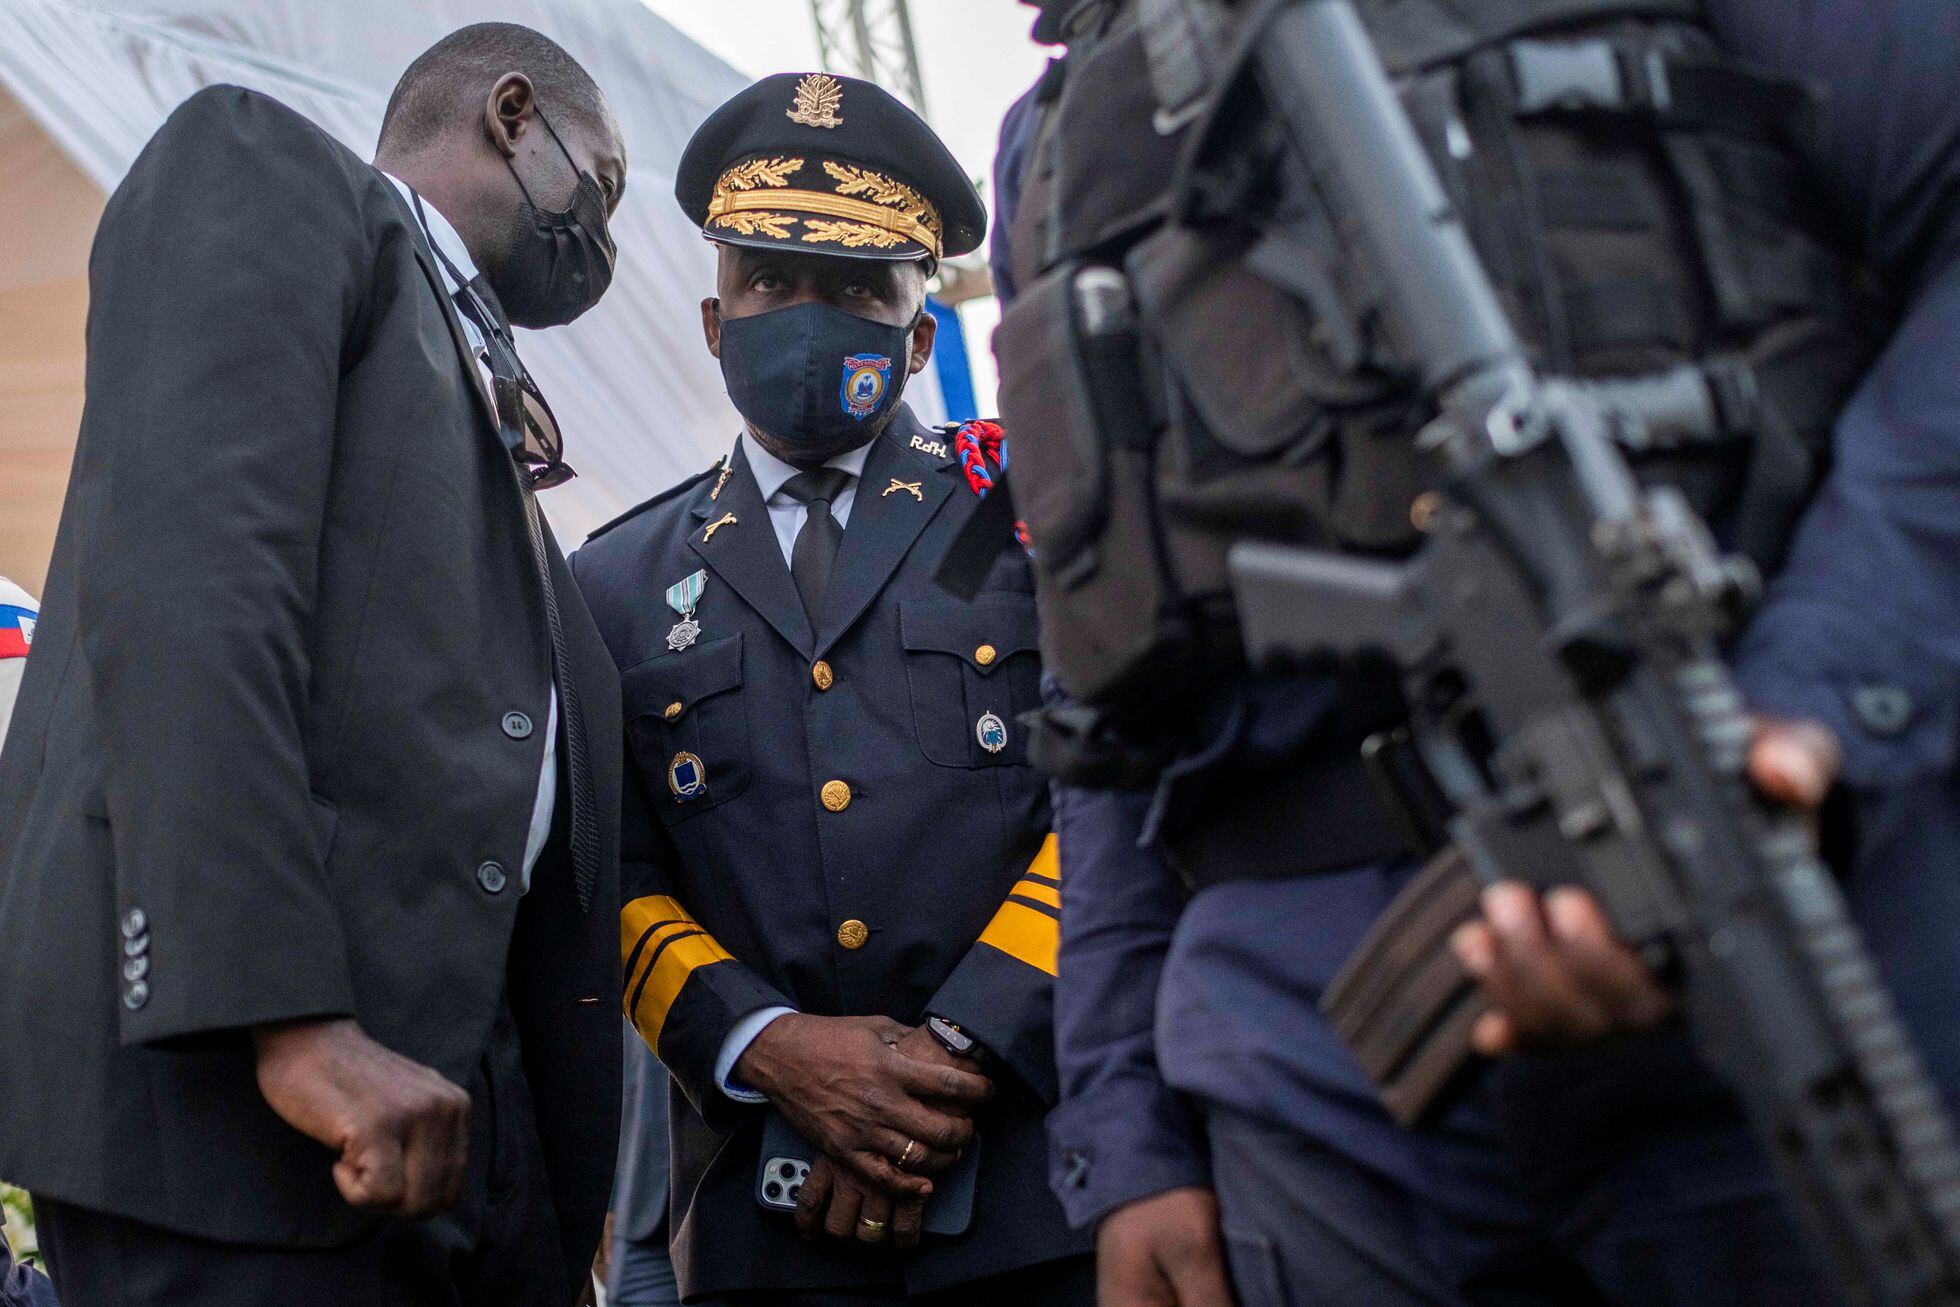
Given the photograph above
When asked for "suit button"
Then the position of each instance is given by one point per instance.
(517, 725)
(136, 968)
(134, 923)
(853, 934)
(985, 655)
(673, 710)
(136, 948)
(491, 877)
(136, 994)
(822, 676)
(836, 795)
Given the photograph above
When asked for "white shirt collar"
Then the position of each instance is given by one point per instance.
(441, 233)
(771, 472)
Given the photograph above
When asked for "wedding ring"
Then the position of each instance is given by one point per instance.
(905, 1158)
(870, 1226)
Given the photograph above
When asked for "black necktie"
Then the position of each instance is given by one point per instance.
(815, 551)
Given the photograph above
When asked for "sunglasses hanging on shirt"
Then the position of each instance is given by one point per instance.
(524, 420)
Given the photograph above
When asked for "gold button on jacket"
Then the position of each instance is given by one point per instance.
(985, 655)
(822, 675)
(853, 934)
(836, 795)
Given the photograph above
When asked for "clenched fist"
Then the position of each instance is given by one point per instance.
(401, 1129)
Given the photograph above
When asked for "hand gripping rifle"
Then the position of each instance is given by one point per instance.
(1557, 639)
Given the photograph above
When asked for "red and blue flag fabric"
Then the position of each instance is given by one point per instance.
(16, 630)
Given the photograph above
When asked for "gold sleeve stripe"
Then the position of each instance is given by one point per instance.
(1030, 888)
(662, 946)
(1026, 935)
(1028, 926)
(1047, 864)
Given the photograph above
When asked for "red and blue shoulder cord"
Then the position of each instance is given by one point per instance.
(978, 442)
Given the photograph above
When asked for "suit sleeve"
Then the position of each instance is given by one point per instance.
(1120, 1133)
(225, 275)
(684, 991)
(1003, 991)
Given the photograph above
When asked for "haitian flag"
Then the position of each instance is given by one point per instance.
(16, 630)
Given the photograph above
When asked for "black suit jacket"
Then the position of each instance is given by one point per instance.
(287, 703)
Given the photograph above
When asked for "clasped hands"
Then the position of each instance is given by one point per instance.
(887, 1106)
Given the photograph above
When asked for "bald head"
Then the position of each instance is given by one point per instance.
(444, 90)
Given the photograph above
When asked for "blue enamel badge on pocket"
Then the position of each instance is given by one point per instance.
(687, 777)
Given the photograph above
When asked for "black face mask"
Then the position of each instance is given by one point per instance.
(812, 375)
(559, 263)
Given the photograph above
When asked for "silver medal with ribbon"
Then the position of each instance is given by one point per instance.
(682, 597)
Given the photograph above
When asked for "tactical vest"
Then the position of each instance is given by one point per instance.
(1193, 357)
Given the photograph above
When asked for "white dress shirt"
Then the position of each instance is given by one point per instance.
(787, 516)
(442, 236)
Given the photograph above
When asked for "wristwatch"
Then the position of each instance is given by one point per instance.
(953, 1039)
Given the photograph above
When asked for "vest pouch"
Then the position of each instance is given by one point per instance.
(1280, 429)
(1073, 394)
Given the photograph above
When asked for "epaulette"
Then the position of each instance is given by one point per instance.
(669, 493)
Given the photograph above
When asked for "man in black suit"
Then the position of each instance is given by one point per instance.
(308, 817)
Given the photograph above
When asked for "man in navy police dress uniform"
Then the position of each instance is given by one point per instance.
(841, 896)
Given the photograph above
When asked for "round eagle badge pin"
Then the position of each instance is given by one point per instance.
(687, 777)
(991, 731)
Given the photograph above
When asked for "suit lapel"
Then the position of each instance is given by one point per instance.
(745, 554)
(897, 496)
(426, 257)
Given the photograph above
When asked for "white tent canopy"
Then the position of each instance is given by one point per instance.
(84, 83)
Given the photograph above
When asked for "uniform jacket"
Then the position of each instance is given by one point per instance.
(277, 750)
(856, 849)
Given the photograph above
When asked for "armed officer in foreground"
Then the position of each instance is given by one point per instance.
(842, 899)
(1643, 204)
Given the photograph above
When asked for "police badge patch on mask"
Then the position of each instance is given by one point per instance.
(865, 379)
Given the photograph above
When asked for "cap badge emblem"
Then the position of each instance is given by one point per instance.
(818, 98)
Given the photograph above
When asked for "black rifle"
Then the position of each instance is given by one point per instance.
(1557, 638)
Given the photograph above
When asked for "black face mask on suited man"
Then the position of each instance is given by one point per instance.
(560, 261)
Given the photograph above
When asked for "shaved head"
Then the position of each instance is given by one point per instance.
(444, 90)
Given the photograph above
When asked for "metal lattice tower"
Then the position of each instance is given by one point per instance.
(871, 39)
